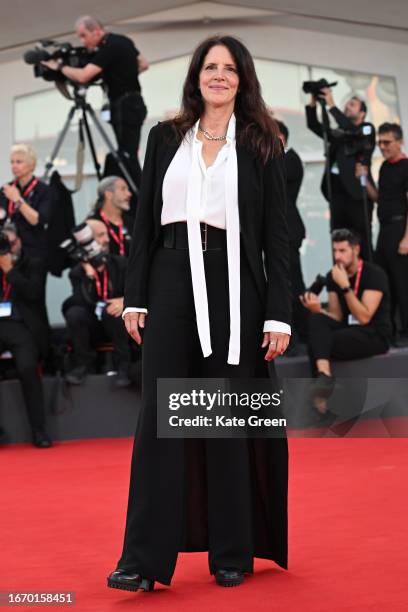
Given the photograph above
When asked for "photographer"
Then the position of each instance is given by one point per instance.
(294, 178)
(26, 201)
(24, 324)
(392, 245)
(111, 208)
(94, 310)
(347, 204)
(357, 322)
(119, 63)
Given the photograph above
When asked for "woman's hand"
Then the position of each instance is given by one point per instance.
(134, 320)
(277, 344)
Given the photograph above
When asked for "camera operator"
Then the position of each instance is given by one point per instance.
(119, 63)
(347, 205)
(111, 208)
(294, 178)
(26, 201)
(392, 245)
(94, 310)
(24, 324)
(357, 322)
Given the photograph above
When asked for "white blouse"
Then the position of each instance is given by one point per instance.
(193, 193)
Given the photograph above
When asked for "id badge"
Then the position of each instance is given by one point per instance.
(105, 113)
(352, 320)
(99, 308)
(5, 309)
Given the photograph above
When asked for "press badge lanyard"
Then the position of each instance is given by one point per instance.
(11, 209)
(102, 293)
(358, 276)
(6, 289)
(118, 239)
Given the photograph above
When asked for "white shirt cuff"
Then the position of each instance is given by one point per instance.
(277, 326)
(132, 309)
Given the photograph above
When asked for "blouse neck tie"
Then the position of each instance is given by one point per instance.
(194, 190)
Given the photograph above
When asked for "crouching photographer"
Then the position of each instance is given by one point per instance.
(93, 311)
(356, 323)
(24, 324)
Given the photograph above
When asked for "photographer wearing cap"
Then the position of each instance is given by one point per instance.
(93, 311)
(347, 206)
(392, 244)
(26, 202)
(23, 323)
(356, 323)
(111, 208)
(118, 62)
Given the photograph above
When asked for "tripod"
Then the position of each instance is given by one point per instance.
(80, 104)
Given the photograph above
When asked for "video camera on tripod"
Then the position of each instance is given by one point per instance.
(44, 50)
(315, 88)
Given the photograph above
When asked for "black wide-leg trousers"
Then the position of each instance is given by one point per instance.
(193, 494)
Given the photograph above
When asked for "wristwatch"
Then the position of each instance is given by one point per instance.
(346, 289)
(18, 203)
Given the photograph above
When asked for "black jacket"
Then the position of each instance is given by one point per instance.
(294, 176)
(346, 164)
(262, 211)
(84, 288)
(27, 280)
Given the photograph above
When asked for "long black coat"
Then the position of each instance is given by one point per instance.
(154, 500)
(262, 213)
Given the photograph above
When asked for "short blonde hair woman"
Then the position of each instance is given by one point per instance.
(26, 201)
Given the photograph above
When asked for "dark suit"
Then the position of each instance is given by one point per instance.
(26, 332)
(346, 207)
(192, 495)
(85, 330)
(297, 233)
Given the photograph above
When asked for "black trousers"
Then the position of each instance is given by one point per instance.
(348, 213)
(85, 330)
(396, 268)
(330, 339)
(300, 313)
(17, 338)
(196, 494)
(127, 116)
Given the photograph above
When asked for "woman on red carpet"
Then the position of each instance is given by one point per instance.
(211, 220)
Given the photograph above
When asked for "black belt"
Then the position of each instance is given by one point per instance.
(175, 237)
(393, 219)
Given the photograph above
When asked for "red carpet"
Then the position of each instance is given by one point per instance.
(63, 511)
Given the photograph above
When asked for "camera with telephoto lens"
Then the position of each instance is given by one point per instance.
(315, 87)
(44, 50)
(5, 246)
(83, 247)
(359, 143)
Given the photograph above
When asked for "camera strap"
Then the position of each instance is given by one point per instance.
(11, 208)
(6, 289)
(120, 240)
(102, 292)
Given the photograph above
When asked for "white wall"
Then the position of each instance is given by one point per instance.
(268, 42)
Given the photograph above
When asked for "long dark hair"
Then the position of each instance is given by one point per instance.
(256, 129)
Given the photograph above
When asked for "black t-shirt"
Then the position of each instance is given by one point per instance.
(372, 277)
(33, 237)
(393, 188)
(117, 56)
(114, 235)
(294, 178)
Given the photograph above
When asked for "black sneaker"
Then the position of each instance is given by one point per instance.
(122, 380)
(322, 386)
(76, 376)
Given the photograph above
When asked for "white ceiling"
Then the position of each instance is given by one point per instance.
(22, 23)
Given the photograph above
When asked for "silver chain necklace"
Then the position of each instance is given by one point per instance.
(210, 136)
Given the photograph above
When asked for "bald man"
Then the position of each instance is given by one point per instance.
(93, 312)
